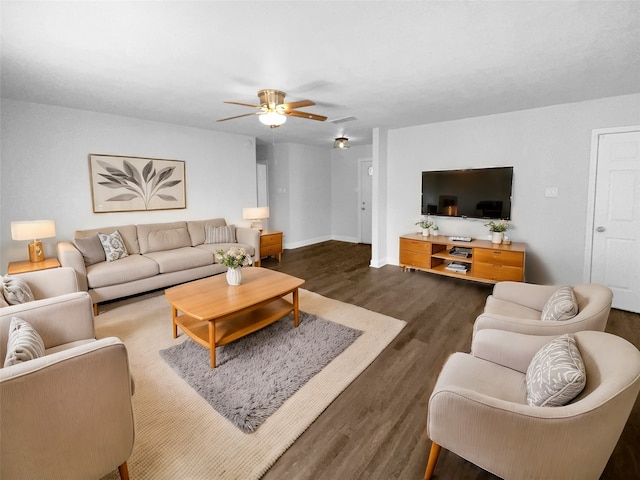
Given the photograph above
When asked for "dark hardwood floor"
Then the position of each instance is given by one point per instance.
(376, 429)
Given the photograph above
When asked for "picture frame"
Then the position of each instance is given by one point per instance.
(132, 184)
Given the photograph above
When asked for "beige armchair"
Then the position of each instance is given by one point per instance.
(68, 414)
(517, 307)
(478, 409)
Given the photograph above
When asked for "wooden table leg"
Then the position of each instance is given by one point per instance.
(296, 313)
(174, 315)
(212, 342)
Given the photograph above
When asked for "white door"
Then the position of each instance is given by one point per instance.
(615, 225)
(365, 198)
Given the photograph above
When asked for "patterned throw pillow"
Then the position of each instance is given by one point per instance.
(113, 246)
(91, 249)
(226, 234)
(16, 290)
(561, 306)
(24, 343)
(556, 374)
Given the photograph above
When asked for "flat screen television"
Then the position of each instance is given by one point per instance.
(474, 193)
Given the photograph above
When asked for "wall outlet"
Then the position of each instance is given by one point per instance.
(551, 192)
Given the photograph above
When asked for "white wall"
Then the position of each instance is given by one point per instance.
(45, 169)
(548, 147)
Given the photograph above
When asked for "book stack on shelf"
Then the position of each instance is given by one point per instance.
(457, 267)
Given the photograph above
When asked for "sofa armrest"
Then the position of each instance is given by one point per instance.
(51, 282)
(509, 349)
(70, 256)
(527, 294)
(71, 408)
(58, 320)
(249, 236)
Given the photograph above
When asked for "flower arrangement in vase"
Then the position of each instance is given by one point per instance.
(425, 224)
(497, 230)
(234, 259)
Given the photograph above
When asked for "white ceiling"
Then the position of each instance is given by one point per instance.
(389, 64)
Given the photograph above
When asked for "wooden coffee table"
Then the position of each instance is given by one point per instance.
(214, 313)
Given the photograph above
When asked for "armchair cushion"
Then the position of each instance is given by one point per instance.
(24, 343)
(562, 305)
(16, 290)
(556, 374)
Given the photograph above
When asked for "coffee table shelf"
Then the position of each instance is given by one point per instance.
(235, 327)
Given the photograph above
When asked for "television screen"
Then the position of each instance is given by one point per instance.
(476, 192)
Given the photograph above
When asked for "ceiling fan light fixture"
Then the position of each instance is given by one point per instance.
(341, 142)
(272, 119)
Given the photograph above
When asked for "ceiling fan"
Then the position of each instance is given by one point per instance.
(273, 111)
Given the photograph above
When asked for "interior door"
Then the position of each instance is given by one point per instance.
(366, 216)
(615, 252)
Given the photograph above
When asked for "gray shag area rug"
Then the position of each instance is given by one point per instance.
(256, 374)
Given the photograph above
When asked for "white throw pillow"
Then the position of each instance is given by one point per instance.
(113, 246)
(16, 290)
(24, 343)
(562, 305)
(556, 374)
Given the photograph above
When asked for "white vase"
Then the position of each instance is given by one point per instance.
(425, 232)
(496, 237)
(234, 276)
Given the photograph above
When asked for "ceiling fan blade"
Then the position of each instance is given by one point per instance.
(291, 105)
(237, 116)
(244, 104)
(312, 116)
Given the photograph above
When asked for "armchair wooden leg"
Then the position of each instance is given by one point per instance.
(433, 458)
(124, 471)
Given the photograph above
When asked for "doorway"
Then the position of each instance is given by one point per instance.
(612, 252)
(365, 197)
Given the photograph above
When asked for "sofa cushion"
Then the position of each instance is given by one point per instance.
(156, 237)
(196, 229)
(113, 246)
(128, 269)
(213, 247)
(562, 305)
(180, 259)
(556, 374)
(15, 290)
(91, 249)
(24, 343)
(226, 234)
(129, 235)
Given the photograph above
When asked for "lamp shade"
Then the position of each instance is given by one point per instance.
(32, 230)
(272, 119)
(255, 213)
(341, 142)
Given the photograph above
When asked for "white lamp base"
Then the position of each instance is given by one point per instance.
(256, 224)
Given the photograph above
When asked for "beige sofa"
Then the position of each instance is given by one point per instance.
(160, 255)
(67, 414)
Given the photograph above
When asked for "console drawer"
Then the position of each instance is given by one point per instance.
(415, 259)
(408, 245)
(498, 257)
(497, 272)
(270, 250)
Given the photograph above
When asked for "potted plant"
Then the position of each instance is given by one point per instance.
(425, 224)
(234, 259)
(497, 230)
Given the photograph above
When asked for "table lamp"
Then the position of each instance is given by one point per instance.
(256, 215)
(32, 230)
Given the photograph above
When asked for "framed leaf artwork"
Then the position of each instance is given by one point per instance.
(128, 184)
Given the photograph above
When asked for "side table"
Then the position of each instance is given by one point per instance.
(27, 266)
(271, 244)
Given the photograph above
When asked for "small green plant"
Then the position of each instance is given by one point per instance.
(424, 223)
(499, 226)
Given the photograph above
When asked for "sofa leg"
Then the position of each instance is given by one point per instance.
(124, 471)
(95, 310)
(433, 458)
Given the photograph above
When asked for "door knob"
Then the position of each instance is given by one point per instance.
(600, 229)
